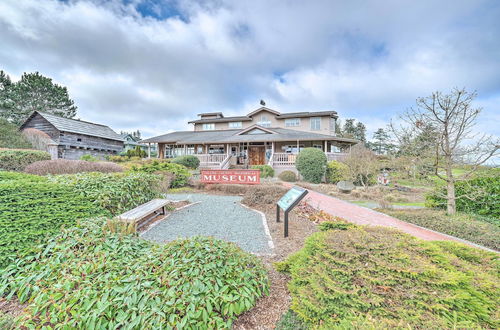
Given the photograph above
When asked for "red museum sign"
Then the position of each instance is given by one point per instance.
(231, 176)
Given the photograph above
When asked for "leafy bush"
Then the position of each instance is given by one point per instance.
(86, 278)
(262, 195)
(17, 176)
(336, 171)
(375, 277)
(460, 225)
(18, 159)
(11, 137)
(483, 194)
(311, 164)
(266, 171)
(288, 176)
(66, 166)
(115, 192)
(180, 173)
(136, 152)
(88, 158)
(29, 211)
(189, 161)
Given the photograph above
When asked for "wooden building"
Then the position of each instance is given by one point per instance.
(73, 138)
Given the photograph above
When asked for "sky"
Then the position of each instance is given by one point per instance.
(154, 65)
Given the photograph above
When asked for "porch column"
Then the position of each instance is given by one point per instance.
(149, 150)
(298, 147)
(161, 150)
(272, 147)
(326, 146)
(185, 150)
(227, 149)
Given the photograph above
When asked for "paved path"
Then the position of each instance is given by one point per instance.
(217, 216)
(365, 216)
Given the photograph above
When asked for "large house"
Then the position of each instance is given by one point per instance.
(71, 138)
(263, 136)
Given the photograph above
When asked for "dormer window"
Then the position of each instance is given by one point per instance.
(264, 121)
(315, 123)
(235, 124)
(292, 122)
(209, 127)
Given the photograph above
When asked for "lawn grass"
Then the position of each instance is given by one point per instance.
(365, 277)
(476, 229)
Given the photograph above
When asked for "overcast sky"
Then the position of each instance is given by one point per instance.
(153, 65)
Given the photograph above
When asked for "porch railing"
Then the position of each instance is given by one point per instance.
(283, 159)
(211, 160)
(225, 163)
(335, 156)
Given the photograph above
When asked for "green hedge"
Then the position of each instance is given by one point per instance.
(18, 159)
(484, 190)
(266, 171)
(115, 192)
(179, 173)
(29, 211)
(311, 164)
(288, 176)
(90, 279)
(189, 161)
(375, 277)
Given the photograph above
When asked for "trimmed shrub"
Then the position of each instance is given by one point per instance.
(11, 137)
(375, 277)
(288, 176)
(263, 195)
(311, 164)
(18, 159)
(66, 166)
(87, 278)
(189, 161)
(336, 171)
(483, 192)
(115, 192)
(19, 176)
(178, 174)
(266, 171)
(29, 211)
(136, 152)
(463, 226)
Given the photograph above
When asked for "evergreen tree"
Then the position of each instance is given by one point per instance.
(360, 132)
(35, 92)
(381, 143)
(349, 130)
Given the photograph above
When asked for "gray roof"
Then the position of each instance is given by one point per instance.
(80, 127)
(231, 136)
(278, 115)
(220, 120)
(307, 114)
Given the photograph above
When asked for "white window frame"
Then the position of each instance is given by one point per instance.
(264, 122)
(208, 127)
(315, 123)
(235, 124)
(292, 122)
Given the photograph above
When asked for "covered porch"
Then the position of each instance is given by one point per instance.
(277, 154)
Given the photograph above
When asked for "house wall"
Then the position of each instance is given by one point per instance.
(305, 123)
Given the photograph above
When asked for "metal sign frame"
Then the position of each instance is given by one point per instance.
(290, 207)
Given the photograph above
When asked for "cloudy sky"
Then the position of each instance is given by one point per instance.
(153, 65)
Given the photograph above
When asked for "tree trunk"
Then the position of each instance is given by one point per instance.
(451, 207)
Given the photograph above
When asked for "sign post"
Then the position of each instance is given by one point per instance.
(288, 202)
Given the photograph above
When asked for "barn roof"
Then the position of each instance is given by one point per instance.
(79, 126)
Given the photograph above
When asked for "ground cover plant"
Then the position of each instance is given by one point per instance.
(375, 277)
(66, 166)
(115, 192)
(311, 164)
(178, 174)
(18, 159)
(31, 209)
(93, 279)
(15, 176)
(479, 195)
(483, 231)
(266, 171)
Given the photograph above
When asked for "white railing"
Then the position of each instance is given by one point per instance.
(270, 161)
(335, 156)
(211, 159)
(225, 163)
(283, 159)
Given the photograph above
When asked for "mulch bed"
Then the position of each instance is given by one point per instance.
(11, 307)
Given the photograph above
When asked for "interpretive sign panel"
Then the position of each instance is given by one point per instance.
(288, 202)
(230, 176)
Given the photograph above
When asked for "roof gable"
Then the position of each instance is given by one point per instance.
(255, 129)
(274, 112)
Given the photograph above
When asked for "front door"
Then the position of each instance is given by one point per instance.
(256, 155)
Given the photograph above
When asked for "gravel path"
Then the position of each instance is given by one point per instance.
(217, 216)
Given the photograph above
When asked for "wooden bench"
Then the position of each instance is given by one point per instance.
(145, 213)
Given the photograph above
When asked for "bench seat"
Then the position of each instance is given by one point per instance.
(145, 212)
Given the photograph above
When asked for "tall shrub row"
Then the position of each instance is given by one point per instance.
(18, 159)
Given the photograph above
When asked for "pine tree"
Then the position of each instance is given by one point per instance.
(360, 132)
(35, 92)
(381, 141)
(349, 130)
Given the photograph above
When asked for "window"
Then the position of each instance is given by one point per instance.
(315, 123)
(199, 150)
(216, 149)
(292, 122)
(318, 146)
(264, 121)
(235, 124)
(190, 149)
(333, 125)
(209, 127)
(292, 149)
(79, 140)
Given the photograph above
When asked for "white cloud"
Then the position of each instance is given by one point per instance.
(363, 59)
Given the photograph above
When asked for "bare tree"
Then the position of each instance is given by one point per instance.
(362, 163)
(452, 118)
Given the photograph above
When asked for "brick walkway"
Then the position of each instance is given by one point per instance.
(364, 216)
